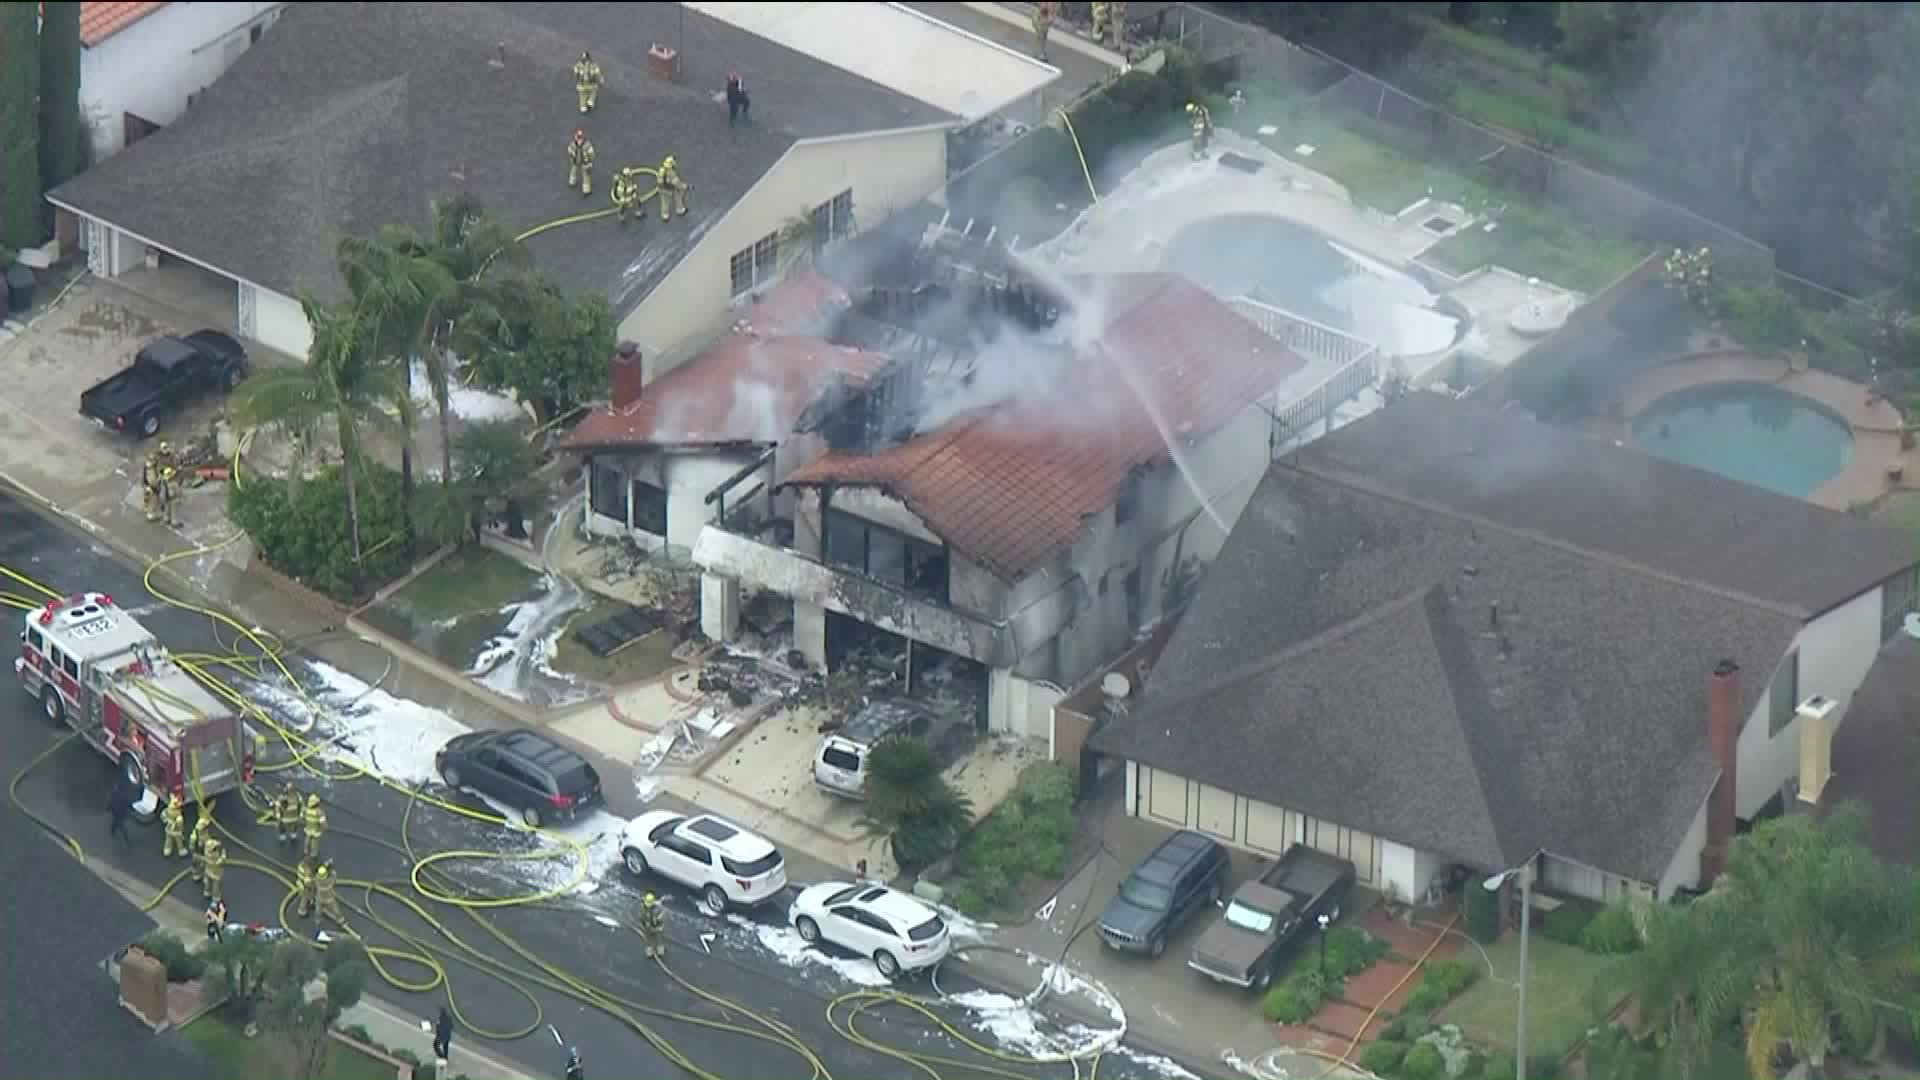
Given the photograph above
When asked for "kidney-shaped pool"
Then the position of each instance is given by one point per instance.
(1752, 432)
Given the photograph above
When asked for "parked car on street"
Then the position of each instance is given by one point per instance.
(1247, 941)
(900, 933)
(1185, 873)
(727, 865)
(538, 778)
(166, 373)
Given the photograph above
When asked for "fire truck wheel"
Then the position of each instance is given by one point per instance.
(51, 704)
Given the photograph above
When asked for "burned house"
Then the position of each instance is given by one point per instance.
(1036, 474)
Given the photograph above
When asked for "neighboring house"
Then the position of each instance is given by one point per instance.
(1000, 505)
(1451, 635)
(1870, 753)
(353, 116)
(64, 1016)
(656, 453)
(142, 64)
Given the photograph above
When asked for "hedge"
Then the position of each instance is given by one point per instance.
(1444, 980)
(1611, 932)
(302, 531)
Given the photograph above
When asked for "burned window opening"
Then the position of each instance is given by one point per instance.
(1127, 504)
(607, 491)
(650, 508)
(888, 556)
(876, 664)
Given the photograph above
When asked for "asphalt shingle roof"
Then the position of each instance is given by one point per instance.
(348, 116)
(1876, 752)
(64, 1017)
(1010, 484)
(1343, 659)
(1504, 466)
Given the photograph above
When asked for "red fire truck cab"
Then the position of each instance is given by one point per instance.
(97, 670)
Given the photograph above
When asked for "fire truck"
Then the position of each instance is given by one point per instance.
(96, 669)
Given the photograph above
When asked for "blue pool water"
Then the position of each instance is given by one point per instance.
(1751, 432)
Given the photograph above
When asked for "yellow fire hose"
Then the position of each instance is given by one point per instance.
(427, 881)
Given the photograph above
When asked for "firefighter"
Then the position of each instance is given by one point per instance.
(150, 485)
(197, 841)
(286, 813)
(672, 189)
(1202, 123)
(303, 887)
(323, 896)
(173, 818)
(316, 825)
(653, 926)
(626, 193)
(1101, 14)
(739, 105)
(586, 82)
(1043, 15)
(216, 868)
(216, 919)
(1117, 22)
(169, 493)
(575, 1070)
(580, 162)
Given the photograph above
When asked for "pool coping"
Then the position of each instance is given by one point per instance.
(1876, 424)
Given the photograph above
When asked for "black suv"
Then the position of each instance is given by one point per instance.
(526, 770)
(1185, 873)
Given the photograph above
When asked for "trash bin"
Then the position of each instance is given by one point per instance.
(19, 289)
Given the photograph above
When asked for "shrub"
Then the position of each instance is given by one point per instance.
(1500, 1066)
(1407, 1027)
(181, 963)
(1611, 933)
(359, 1033)
(1567, 922)
(1030, 834)
(1483, 915)
(401, 1053)
(1383, 1056)
(303, 532)
(1423, 1062)
(1285, 1004)
(1351, 950)
(1444, 980)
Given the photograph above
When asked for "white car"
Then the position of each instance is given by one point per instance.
(727, 865)
(897, 931)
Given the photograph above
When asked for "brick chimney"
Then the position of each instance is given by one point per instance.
(629, 375)
(663, 62)
(1723, 736)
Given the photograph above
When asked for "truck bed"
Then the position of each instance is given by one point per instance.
(121, 395)
(1306, 872)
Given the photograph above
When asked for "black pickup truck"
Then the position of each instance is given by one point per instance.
(165, 374)
(1246, 941)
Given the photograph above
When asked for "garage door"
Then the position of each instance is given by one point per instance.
(1167, 797)
(1360, 849)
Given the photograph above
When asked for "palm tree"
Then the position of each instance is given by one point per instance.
(495, 465)
(910, 800)
(1805, 940)
(341, 382)
(472, 247)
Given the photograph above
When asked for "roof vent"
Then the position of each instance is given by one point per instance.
(499, 60)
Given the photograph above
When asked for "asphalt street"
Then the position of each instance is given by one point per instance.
(572, 935)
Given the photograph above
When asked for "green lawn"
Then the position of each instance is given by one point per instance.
(236, 1057)
(454, 609)
(643, 659)
(1560, 1002)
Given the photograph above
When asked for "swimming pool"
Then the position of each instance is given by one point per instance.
(1283, 263)
(1752, 432)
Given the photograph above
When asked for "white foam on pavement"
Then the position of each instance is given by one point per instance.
(502, 646)
(785, 945)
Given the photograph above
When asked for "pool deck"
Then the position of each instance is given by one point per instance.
(1876, 424)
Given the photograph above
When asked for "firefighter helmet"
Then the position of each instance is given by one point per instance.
(667, 165)
(651, 900)
(585, 56)
(1193, 107)
(579, 134)
(166, 447)
(313, 802)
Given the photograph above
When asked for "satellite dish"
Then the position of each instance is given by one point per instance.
(1116, 685)
(1913, 624)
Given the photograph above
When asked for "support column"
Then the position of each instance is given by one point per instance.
(810, 632)
(719, 607)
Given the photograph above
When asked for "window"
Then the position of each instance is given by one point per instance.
(696, 852)
(833, 220)
(1128, 502)
(69, 665)
(650, 508)
(1900, 596)
(1783, 697)
(752, 267)
(35, 641)
(887, 555)
(607, 491)
(254, 32)
(752, 869)
(1136, 598)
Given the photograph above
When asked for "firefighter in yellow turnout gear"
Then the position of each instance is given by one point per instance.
(173, 818)
(197, 841)
(626, 193)
(586, 81)
(316, 826)
(286, 814)
(150, 485)
(672, 188)
(653, 926)
(323, 896)
(303, 887)
(1202, 123)
(580, 162)
(1043, 15)
(1101, 14)
(167, 488)
(216, 868)
(1116, 24)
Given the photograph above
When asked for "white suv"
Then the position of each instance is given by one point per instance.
(897, 931)
(726, 864)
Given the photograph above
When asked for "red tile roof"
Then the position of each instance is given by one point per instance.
(1010, 485)
(100, 21)
(803, 303)
(746, 388)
